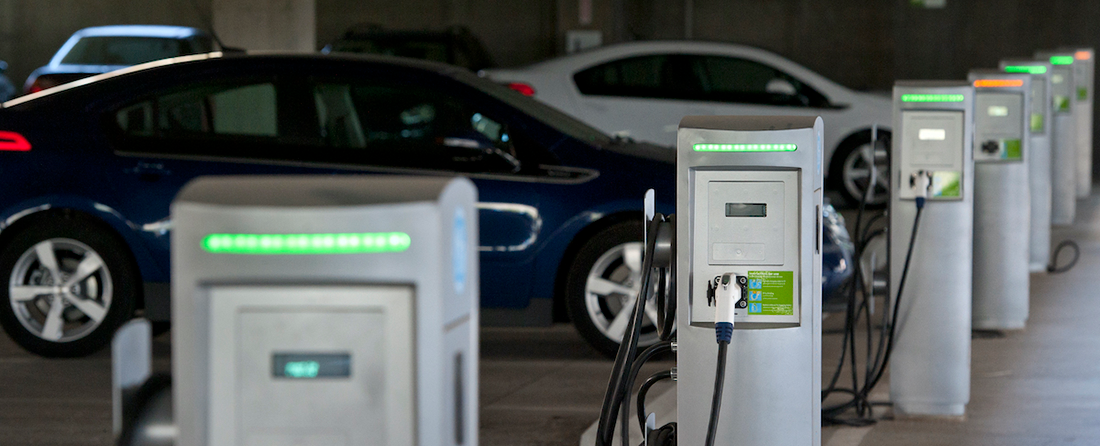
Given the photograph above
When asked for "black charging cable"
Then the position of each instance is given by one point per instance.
(860, 394)
(724, 332)
(624, 358)
(1054, 257)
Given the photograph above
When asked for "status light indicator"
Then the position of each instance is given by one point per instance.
(995, 83)
(932, 98)
(1082, 55)
(1061, 60)
(745, 147)
(1030, 69)
(352, 243)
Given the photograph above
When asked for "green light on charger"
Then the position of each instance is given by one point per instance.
(302, 369)
(350, 243)
(1061, 60)
(745, 147)
(932, 98)
(1030, 69)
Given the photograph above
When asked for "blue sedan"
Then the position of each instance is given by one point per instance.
(88, 170)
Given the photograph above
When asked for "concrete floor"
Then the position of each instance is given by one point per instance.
(543, 386)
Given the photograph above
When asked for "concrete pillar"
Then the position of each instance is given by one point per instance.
(288, 25)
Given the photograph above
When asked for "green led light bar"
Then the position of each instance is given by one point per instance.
(1030, 69)
(1061, 60)
(932, 98)
(360, 243)
(745, 147)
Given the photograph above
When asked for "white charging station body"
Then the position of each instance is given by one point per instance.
(930, 365)
(1038, 159)
(325, 310)
(1064, 146)
(1002, 201)
(749, 194)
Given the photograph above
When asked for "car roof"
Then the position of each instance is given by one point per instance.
(439, 68)
(164, 31)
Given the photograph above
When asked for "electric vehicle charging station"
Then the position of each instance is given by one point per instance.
(1002, 109)
(1038, 157)
(1084, 73)
(1064, 149)
(749, 194)
(325, 310)
(933, 163)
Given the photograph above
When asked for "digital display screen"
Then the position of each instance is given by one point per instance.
(932, 134)
(746, 210)
(310, 365)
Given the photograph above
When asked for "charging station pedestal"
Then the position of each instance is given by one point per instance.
(1084, 73)
(1038, 158)
(1064, 149)
(748, 200)
(325, 311)
(930, 365)
(1002, 109)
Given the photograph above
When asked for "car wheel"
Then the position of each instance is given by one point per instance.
(603, 285)
(69, 287)
(859, 159)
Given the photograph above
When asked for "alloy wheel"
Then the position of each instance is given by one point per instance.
(60, 290)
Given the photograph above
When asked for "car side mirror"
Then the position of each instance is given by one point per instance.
(780, 86)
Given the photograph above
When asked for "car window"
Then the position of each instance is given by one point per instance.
(732, 79)
(407, 126)
(124, 50)
(658, 76)
(211, 110)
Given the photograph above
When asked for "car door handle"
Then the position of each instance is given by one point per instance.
(149, 171)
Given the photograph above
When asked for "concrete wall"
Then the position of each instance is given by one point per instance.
(864, 44)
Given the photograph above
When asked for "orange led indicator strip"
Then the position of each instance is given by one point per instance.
(987, 83)
(1082, 55)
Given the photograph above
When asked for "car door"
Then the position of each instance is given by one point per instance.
(228, 126)
(642, 97)
(426, 124)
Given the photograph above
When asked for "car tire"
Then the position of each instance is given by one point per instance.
(851, 171)
(603, 279)
(98, 292)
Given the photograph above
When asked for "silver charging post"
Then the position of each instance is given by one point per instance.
(932, 162)
(1064, 148)
(749, 193)
(1038, 157)
(325, 310)
(1002, 109)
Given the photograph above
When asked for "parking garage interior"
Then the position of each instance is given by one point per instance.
(543, 378)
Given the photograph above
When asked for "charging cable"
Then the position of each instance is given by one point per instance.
(921, 182)
(729, 292)
(1054, 257)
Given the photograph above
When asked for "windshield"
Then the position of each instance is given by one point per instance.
(548, 115)
(129, 50)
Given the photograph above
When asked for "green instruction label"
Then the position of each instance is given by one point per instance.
(1013, 150)
(1061, 104)
(1082, 93)
(771, 293)
(1036, 123)
(946, 184)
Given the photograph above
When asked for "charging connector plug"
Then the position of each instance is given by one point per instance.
(921, 182)
(730, 295)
